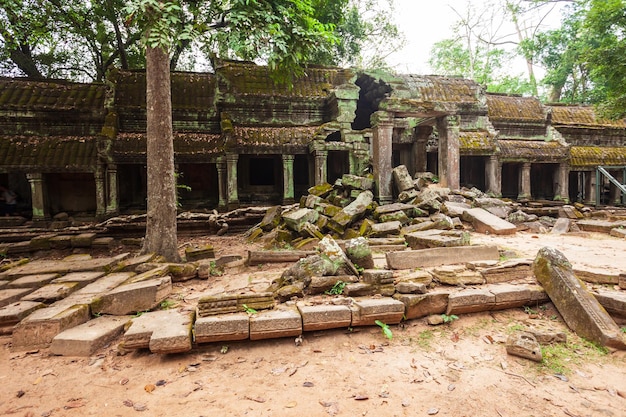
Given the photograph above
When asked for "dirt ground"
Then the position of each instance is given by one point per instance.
(457, 369)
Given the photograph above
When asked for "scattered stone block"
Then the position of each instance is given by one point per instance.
(435, 319)
(351, 212)
(507, 271)
(436, 238)
(61, 242)
(357, 182)
(618, 232)
(419, 276)
(102, 285)
(280, 322)
(39, 328)
(87, 338)
(222, 328)
(457, 275)
(524, 345)
(359, 252)
(163, 331)
(377, 276)
(509, 296)
(422, 258)
(32, 281)
(134, 297)
(402, 178)
(470, 300)
(213, 304)
(544, 333)
(324, 316)
(270, 221)
(14, 313)
(65, 266)
(103, 243)
(392, 208)
(613, 301)
(410, 287)
(321, 284)
(82, 278)
(580, 310)
(155, 271)
(600, 226)
(295, 220)
(454, 209)
(485, 222)
(83, 240)
(195, 253)
(365, 311)
(41, 242)
(561, 226)
(596, 275)
(386, 229)
(52, 292)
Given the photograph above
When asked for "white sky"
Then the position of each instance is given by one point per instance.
(425, 22)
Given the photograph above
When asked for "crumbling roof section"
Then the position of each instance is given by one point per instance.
(505, 108)
(55, 154)
(592, 156)
(431, 88)
(532, 151)
(25, 94)
(582, 116)
(247, 78)
(476, 142)
(188, 147)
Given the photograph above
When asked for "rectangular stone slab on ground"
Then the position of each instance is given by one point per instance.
(131, 298)
(222, 328)
(580, 310)
(485, 222)
(422, 258)
(365, 311)
(324, 316)
(276, 323)
(422, 305)
(87, 338)
(163, 331)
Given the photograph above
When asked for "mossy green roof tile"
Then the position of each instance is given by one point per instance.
(49, 153)
(504, 108)
(582, 116)
(476, 142)
(189, 147)
(431, 88)
(533, 150)
(592, 156)
(28, 95)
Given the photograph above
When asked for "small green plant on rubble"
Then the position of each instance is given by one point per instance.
(385, 329)
(214, 270)
(167, 304)
(249, 310)
(337, 289)
(449, 318)
(623, 329)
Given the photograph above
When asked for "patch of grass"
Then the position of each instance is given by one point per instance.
(561, 357)
(623, 329)
(167, 304)
(447, 319)
(515, 328)
(337, 289)
(214, 270)
(425, 338)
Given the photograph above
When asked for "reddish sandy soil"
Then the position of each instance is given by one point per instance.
(458, 369)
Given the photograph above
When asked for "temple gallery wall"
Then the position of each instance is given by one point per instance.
(241, 139)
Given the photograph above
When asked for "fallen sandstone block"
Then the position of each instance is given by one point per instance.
(485, 222)
(524, 345)
(421, 258)
(222, 328)
(131, 298)
(163, 331)
(280, 322)
(365, 311)
(324, 316)
(85, 339)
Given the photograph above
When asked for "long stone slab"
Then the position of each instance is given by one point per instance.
(596, 275)
(601, 226)
(63, 266)
(580, 310)
(423, 305)
(324, 316)
(365, 311)
(222, 328)
(38, 329)
(52, 292)
(32, 281)
(485, 222)
(435, 238)
(83, 278)
(422, 258)
(11, 295)
(507, 271)
(613, 301)
(131, 298)
(15, 312)
(280, 322)
(87, 338)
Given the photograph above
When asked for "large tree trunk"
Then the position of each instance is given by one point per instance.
(161, 237)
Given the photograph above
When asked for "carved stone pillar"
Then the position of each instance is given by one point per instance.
(231, 180)
(288, 189)
(98, 176)
(524, 186)
(616, 194)
(321, 169)
(38, 197)
(113, 204)
(562, 183)
(449, 154)
(420, 155)
(493, 173)
(382, 148)
(221, 183)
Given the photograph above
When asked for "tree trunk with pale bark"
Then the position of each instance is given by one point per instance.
(161, 236)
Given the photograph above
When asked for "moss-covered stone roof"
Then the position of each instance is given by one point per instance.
(582, 116)
(592, 156)
(273, 138)
(431, 88)
(532, 151)
(249, 79)
(24, 94)
(47, 154)
(189, 147)
(504, 108)
(476, 142)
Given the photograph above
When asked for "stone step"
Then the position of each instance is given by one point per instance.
(163, 331)
(87, 338)
(280, 322)
(222, 328)
(13, 313)
(601, 226)
(32, 281)
(324, 316)
(134, 297)
(11, 295)
(365, 311)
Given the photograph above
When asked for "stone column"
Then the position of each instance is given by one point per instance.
(382, 148)
(420, 155)
(493, 174)
(98, 176)
(38, 197)
(288, 190)
(221, 183)
(448, 156)
(562, 184)
(113, 202)
(616, 194)
(524, 188)
(360, 159)
(321, 170)
(590, 187)
(231, 181)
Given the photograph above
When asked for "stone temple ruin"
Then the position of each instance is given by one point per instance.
(409, 162)
(240, 139)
